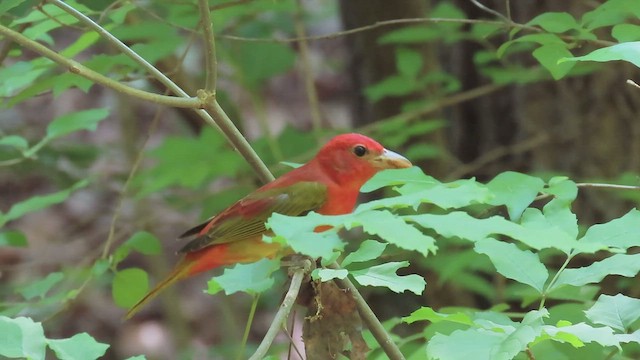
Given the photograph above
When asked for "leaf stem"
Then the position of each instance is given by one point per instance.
(247, 328)
(377, 330)
(553, 281)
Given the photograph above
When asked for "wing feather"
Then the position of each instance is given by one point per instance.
(246, 218)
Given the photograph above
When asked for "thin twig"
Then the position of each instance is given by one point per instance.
(633, 83)
(211, 67)
(281, 315)
(608, 186)
(307, 72)
(377, 330)
(491, 11)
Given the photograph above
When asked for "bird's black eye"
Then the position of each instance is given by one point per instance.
(359, 150)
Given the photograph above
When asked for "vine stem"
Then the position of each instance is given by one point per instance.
(375, 326)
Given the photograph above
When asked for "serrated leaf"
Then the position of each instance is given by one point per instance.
(79, 346)
(555, 22)
(329, 274)
(391, 177)
(629, 52)
(368, 250)
(299, 234)
(13, 238)
(76, 121)
(452, 195)
(586, 333)
(394, 230)
(41, 287)
(467, 344)
(22, 338)
(618, 311)
(619, 234)
(36, 203)
(514, 190)
(428, 314)
(250, 278)
(129, 286)
(385, 275)
(535, 231)
(519, 265)
(619, 264)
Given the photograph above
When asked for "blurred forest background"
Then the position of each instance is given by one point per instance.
(463, 89)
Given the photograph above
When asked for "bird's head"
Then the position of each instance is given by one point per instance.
(350, 157)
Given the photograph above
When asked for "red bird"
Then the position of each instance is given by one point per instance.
(328, 184)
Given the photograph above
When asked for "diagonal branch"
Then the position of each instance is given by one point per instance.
(218, 120)
(377, 330)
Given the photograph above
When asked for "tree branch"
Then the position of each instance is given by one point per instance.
(283, 312)
(222, 122)
(369, 318)
(81, 70)
(211, 67)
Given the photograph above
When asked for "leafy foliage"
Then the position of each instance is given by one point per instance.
(499, 242)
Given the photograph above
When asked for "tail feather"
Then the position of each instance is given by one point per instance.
(180, 272)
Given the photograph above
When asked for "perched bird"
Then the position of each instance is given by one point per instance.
(328, 184)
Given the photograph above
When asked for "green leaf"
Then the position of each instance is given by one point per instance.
(7, 5)
(618, 311)
(391, 177)
(15, 141)
(22, 338)
(520, 265)
(329, 274)
(13, 238)
(185, 161)
(626, 32)
(392, 86)
(609, 13)
(385, 275)
(409, 62)
(299, 233)
(619, 264)
(250, 278)
(549, 56)
(555, 22)
(41, 287)
(618, 234)
(394, 230)
(129, 286)
(542, 39)
(144, 242)
(468, 344)
(585, 333)
(428, 314)
(79, 346)
(514, 190)
(629, 51)
(76, 121)
(36, 203)
(368, 250)
(259, 61)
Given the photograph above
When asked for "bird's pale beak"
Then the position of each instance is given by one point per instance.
(391, 160)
